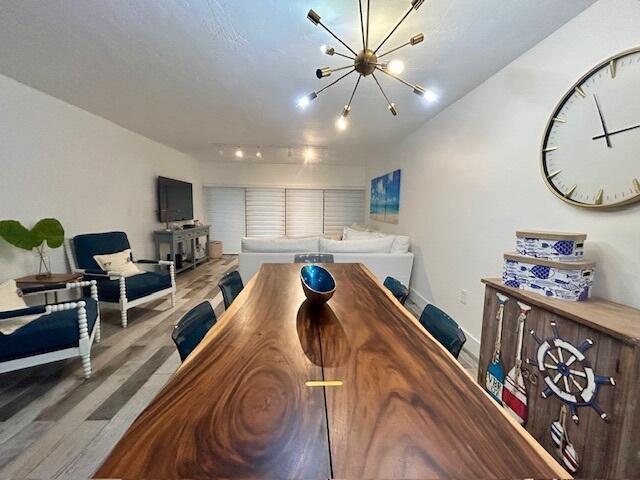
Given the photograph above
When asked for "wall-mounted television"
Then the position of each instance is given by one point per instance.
(175, 200)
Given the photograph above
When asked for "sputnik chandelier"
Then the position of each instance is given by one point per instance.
(366, 62)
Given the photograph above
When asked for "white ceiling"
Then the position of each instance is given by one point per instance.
(193, 74)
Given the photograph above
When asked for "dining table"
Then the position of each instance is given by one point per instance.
(353, 388)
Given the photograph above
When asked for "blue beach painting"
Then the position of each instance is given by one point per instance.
(385, 198)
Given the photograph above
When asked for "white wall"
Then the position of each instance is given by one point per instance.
(471, 177)
(59, 161)
(239, 173)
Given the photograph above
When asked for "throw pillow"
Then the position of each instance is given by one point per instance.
(374, 245)
(11, 297)
(119, 263)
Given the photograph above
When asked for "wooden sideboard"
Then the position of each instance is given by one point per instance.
(605, 449)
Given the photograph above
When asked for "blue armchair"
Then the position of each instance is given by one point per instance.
(115, 289)
(63, 330)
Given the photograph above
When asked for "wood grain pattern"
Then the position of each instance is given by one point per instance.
(239, 407)
(605, 449)
(615, 319)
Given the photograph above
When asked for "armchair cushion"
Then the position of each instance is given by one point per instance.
(86, 246)
(138, 286)
(56, 331)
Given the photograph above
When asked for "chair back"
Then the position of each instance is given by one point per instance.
(192, 328)
(230, 285)
(443, 328)
(313, 258)
(397, 288)
(88, 245)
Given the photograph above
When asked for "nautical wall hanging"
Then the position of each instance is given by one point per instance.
(514, 393)
(568, 374)
(495, 370)
(561, 439)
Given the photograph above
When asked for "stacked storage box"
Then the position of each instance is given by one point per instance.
(550, 264)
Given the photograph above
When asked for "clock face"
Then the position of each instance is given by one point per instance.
(591, 148)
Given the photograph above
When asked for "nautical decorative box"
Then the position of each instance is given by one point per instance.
(564, 247)
(562, 280)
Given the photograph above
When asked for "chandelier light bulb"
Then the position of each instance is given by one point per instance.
(259, 153)
(429, 96)
(239, 153)
(342, 123)
(304, 102)
(396, 67)
(308, 155)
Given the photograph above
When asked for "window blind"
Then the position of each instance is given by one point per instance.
(265, 212)
(342, 208)
(304, 212)
(224, 211)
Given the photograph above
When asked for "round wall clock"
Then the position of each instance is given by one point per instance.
(591, 147)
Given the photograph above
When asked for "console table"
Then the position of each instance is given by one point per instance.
(608, 337)
(176, 239)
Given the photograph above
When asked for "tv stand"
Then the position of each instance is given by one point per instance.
(177, 240)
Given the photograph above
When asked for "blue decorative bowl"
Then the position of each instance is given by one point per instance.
(318, 284)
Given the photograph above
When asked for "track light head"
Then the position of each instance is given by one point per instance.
(314, 17)
(323, 72)
(416, 39)
(392, 109)
(414, 3)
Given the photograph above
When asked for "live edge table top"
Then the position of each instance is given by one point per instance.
(239, 407)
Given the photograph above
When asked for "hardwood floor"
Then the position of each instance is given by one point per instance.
(54, 424)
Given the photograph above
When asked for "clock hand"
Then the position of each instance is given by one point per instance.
(617, 131)
(604, 126)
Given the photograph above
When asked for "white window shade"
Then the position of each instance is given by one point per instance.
(224, 211)
(342, 208)
(304, 212)
(265, 212)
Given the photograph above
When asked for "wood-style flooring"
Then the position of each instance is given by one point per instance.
(55, 424)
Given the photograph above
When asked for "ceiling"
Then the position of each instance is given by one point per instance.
(194, 74)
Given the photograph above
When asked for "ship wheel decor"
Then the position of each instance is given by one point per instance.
(568, 374)
(366, 61)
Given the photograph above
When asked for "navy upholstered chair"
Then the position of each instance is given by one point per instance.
(113, 288)
(231, 285)
(48, 333)
(397, 288)
(313, 258)
(192, 328)
(443, 328)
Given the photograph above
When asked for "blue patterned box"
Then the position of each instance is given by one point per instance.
(563, 247)
(562, 280)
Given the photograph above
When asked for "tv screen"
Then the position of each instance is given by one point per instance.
(175, 200)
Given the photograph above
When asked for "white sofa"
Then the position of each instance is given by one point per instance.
(384, 255)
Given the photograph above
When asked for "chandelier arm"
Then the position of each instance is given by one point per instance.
(335, 81)
(343, 55)
(394, 49)
(354, 91)
(381, 90)
(394, 29)
(341, 68)
(396, 77)
(336, 37)
(364, 43)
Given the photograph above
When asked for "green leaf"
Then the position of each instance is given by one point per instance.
(17, 235)
(49, 230)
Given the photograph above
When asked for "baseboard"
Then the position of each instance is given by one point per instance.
(472, 346)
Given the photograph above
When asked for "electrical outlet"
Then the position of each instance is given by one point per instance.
(463, 296)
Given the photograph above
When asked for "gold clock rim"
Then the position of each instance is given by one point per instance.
(565, 97)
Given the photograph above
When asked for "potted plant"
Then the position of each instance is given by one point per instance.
(47, 231)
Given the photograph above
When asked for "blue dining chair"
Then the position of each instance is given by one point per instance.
(313, 258)
(397, 288)
(192, 328)
(231, 285)
(443, 328)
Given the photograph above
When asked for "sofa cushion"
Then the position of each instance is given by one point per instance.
(401, 244)
(278, 245)
(374, 245)
(11, 297)
(352, 234)
(138, 286)
(48, 333)
(86, 246)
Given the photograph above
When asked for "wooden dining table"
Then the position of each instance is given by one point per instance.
(354, 388)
